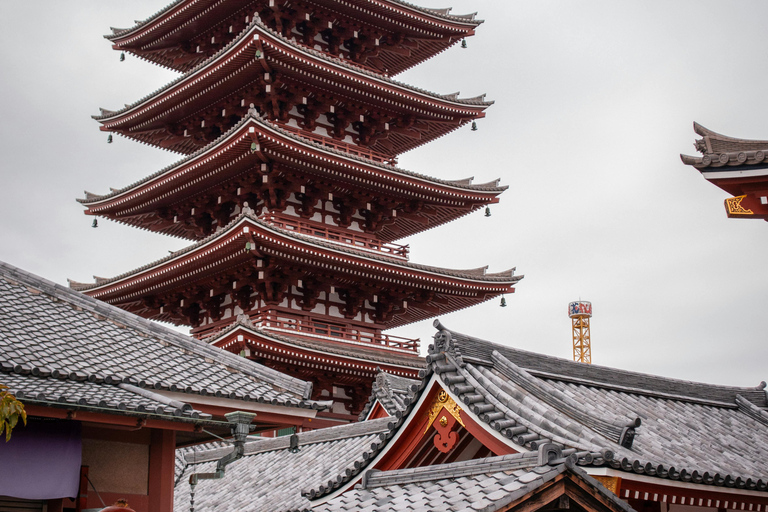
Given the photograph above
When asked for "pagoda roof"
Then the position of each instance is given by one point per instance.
(142, 120)
(61, 348)
(457, 285)
(362, 352)
(173, 10)
(436, 29)
(205, 167)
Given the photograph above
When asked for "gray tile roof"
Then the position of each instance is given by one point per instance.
(65, 392)
(271, 478)
(662, 427)
(722, 153)
(59, 346)
(541, 403)
(392, 392)
(180, 462)
(334, 458)
(484, 484)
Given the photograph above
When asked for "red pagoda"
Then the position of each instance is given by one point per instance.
(290, 191)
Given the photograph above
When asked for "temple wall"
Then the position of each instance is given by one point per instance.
(116, 466)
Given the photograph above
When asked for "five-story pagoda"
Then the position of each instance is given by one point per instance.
(290, 189)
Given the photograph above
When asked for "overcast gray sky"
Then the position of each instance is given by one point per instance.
(594, 102)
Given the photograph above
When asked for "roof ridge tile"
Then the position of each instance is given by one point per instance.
(376, 478)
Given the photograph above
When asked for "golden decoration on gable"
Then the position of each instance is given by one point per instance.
(443, 400)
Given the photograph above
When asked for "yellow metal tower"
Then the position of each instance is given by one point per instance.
(580, 313)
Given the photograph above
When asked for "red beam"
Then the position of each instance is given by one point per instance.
(106, 418)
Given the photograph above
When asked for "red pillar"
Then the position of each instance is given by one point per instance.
(55, 505)
(161, 466)
(82, 498)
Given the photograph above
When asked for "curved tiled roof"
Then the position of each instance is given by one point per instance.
(544, 366)
(257, 26)
(489, 484)
(726, 453)
(39, 386)
(692, 432)
(724, 153)
(358, 351)
(474, 274)
(440, 13)
(717, 455)
(59, 346)
(466, 184)
(266, 478)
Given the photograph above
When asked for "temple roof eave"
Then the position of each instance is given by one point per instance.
(371, 356)
(257, 28)
(723, 153)
(500, 278)
(440, 14)
(91, 199)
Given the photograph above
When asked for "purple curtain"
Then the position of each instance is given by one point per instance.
(41, 461)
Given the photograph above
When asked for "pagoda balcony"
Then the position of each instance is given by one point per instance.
(345, 147)
(305, 326)
(358, 241)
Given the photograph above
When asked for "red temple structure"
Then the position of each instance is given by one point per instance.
(737, 166)
(290, 191)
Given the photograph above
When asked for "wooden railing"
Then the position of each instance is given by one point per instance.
(352, 149)
(316, 328)
(346, 237)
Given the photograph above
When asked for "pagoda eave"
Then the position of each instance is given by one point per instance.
(227, 172)
(349, 358)
(275, 74)
(278, 267)
(185, 33)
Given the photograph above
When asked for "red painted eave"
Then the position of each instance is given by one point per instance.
(140, 120)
